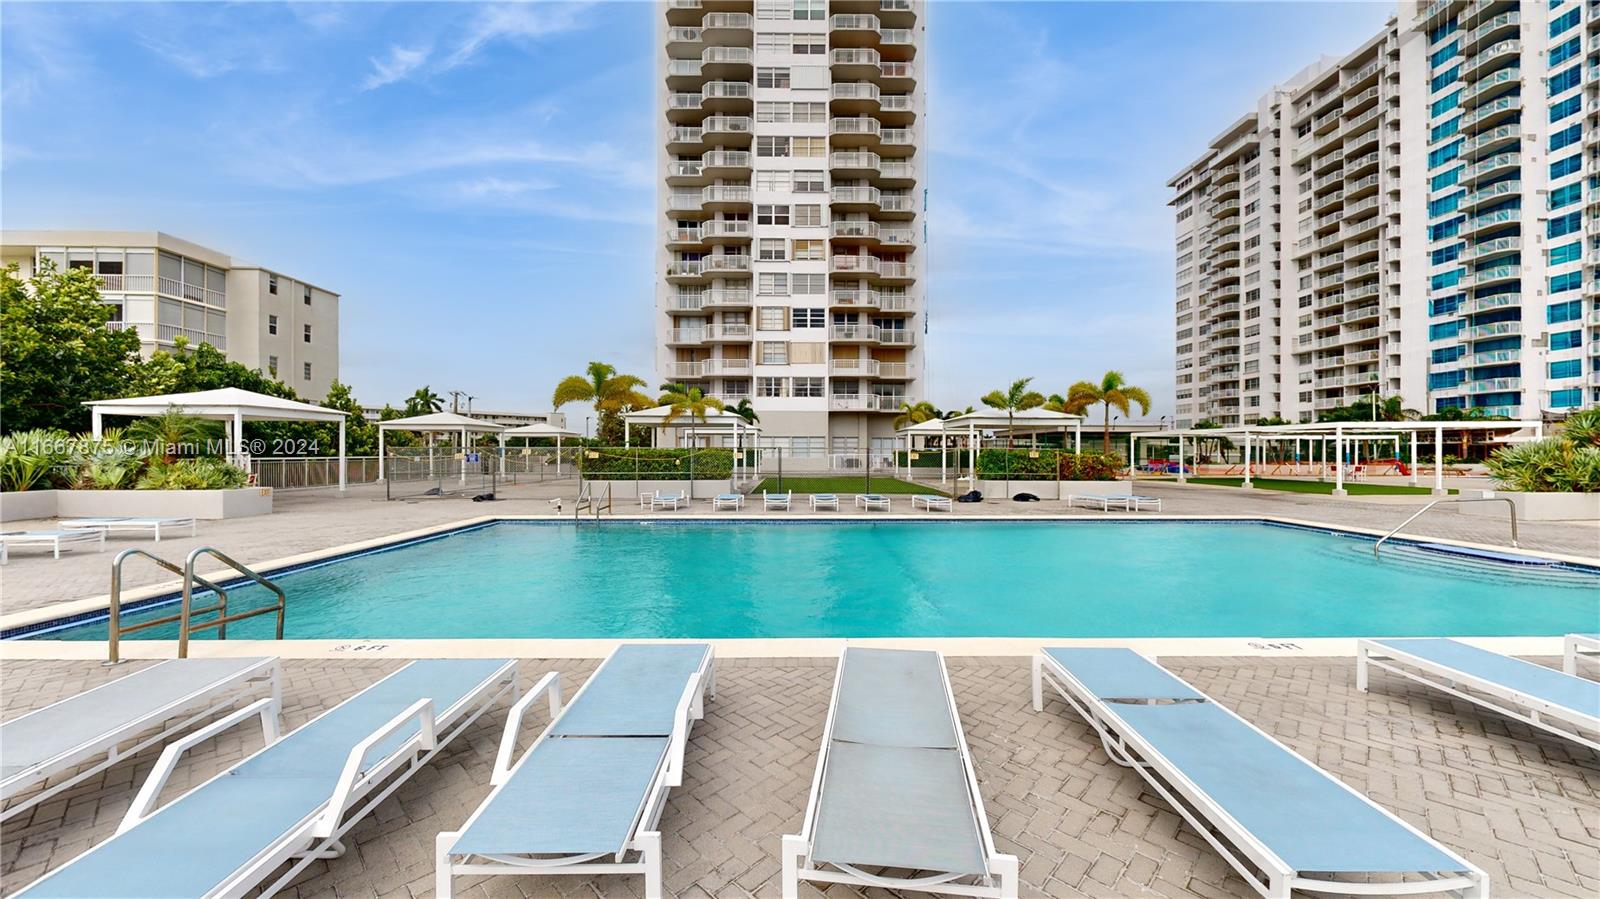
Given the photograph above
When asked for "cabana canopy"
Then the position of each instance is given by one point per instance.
(716, 419)
(232, 405)
(539, 429)
(1029, 421)
(438, 422)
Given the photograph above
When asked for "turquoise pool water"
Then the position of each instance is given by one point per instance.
(911, 579)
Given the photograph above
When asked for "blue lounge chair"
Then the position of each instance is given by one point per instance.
(895, 787)
(92, 727)
(589, 792)
(1282, 823)
(290, 802)
(1576, 645)
(1562, 704)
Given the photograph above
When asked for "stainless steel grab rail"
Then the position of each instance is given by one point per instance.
(221, 624)
(1480, 499)
(115, 630)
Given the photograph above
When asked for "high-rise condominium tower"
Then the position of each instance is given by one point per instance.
(1408, 220)
(790, 264)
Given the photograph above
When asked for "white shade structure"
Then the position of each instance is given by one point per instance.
(716, 422)
(1029, 422)
(231, 405)
(544, 430)
(439, 423)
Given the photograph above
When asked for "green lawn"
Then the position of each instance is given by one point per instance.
(843, 486)
(1323, 487)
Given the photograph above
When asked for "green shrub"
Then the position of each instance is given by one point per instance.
(1091, 466)
(38, 459)
(1023, 464)
(655, 464)
(1552, 465)
(193, 474)
(1582, 428)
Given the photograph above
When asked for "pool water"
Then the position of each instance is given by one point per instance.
(909, 579)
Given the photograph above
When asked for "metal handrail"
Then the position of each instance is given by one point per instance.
(595, 504)
(584, 500)
(1478, 499)
(185, 628)
(115, 630)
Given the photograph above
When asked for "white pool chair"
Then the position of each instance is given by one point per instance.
(770, 501)
(1576, 645)
(90, 728)
(672, 501)
(932, 503)
(1097, 500)
(646, 497)
(1137, 503)
(870, 501)
(1282, 823)
(1562, 704)
(55, 541)
(895, 788)
(721, 501)
(586, 797)
(107, 525)
(290, 802)
(824, 501)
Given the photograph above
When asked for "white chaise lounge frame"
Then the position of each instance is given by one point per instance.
(173, 718)
(870, 501)
(1498, 698)
(932, 503)
(722, 501)
(1575, 646)
(666, 500)
(1262, 869)
(357, 793)
(52, 540)
(107, 525)
(824, 500)
(779, 501)
(796, 848)
(643, 837)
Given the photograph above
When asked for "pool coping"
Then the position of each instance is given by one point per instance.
(94, 606)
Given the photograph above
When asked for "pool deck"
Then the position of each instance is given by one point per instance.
(1522, 805)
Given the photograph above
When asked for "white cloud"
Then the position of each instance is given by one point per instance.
(514, 21)
(399, 64)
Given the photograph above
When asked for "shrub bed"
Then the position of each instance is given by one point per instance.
(1022, 464)
(655, 464)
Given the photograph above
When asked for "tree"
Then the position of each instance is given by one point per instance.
(691, 402)
(1388, 409)
(1017, 398)
(56, 352)
(744, 410)
(172, 434)
(361, 435)
(915, 414)
(396, 438)
(1113, 392)
(424, 402)
(611, 393)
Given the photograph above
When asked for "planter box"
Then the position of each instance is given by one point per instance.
(997, 489)
(206, 504)
(1537, 506)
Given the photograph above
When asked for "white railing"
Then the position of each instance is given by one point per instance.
(169, 333)
(867, 230)
(726, 159)
(854, 57)
(854, 332)
(725, 228)
(869, 195)
(868, 299)
(863, 264)
(136, 283)
(855, 125)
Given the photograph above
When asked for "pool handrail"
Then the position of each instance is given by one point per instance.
(114, 628)
(1476, 499)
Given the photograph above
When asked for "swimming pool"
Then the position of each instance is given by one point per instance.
(908, 579)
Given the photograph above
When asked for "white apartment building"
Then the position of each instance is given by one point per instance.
(165, 288)
(792, 198)
(1437, 243)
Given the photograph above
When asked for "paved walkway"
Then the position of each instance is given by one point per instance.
(307, 521)
(1525, 807)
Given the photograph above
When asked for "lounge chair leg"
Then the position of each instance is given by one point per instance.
(1004, 868)
(794, 848)
(650, 848)
(1361, 668)
(442, 885)
(1038, 683)
(1278, 887)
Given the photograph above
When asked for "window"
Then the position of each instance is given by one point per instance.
(1563, 52)
(1566, 399)
(807, 250)
(1564, 21)
(811, 387)
(1569, 166)
(1569, 106)
(769, 387)
(809, 182)
(809, 45)
(810, 10)
(773, 180)
(772, 318)
(1570, 311)
(1564, 224)
(808, 216)
(772, 145)
(1566, 195)
(1571, 252)
(1566, 80)
(272, 324)
(811, 147)
(308, 296)
(775, 41)
(272, 366)
(1567, 368)
(772, 76)
(1566, 340)
(272, 284)
(808, 317)
(770, 284)
(1566, 137)
(307, 334)
(306, 371)
(808, 285)
(772, 215)
(1445, 330)
(774, 352)
(1568, 281)
(1444, 154)
(804, 353)
(774, 9)
(1444, 79)
(773, 111)
(771, 249)
(1446, 129)
(1445, 103)
(810, 113)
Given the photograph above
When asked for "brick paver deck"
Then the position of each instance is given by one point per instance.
(1524, 806)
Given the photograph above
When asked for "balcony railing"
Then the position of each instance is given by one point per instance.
(170, 333)
(129, 283)
(854, 332)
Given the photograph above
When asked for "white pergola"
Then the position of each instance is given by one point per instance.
(439, 423)
(541, 429)
(231, 405)
(1029, 422)
(716, 423)
(1340, 435)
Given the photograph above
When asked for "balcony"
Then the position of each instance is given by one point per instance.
(726, 298)
(170, 334)
(684, 43)
(726, 263)
(1489, 85)
(1497, 219)
(140, 284)
(1504, 25)
(725, 367)
(896, 272)
(854, 368)
(896, 142)
(897, 206)
(1494, 385)
(1493, 165)
(852, 265)
(684, 74)
(682, 238)
(896, 109)
(684, 203)
(726, 163)
(860, 402)
(721, 231)
(685, 140)
(854, 333)
(854, 98)
(1500, 138)
(727, 28)
(1496, 357)
(1492, 275)
(727, 62)
(725, 197)
(680, 12)
(733, 130)
(854, 298)
(1491, 193)
(893, 238)
(1492, 112)
(854, 231)
(853, 31)
(1484, 60)
(899, 77)
(855, 131)
(1497, 329)
(897, 43)
(727, 96)
(1490, 303)
(854, 63)
(855, 199)
(685, 109)
(854, 164)
(685, 173)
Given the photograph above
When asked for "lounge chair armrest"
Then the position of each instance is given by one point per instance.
(422, 710)
(550, 683)
(144, 803)
(680, 731)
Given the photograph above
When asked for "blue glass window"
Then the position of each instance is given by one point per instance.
(1563, 167)
(1448, 353)
(1445, 379)
(1564, 21)
(1448, 102)
(1445, 229)
(1569, 106)
(1565, 340)
(1566, 79)
(1447, 179)
(1568, 281)
(1447, 53)
(1566, 399)
(1570, 311)
(1569, 253)
(1446, 305)
(1446, 129)
(1448, 152)
(1564, 224)
(1435, 35)
(1447, 254)
(1444, 204)
(1567, 368)
(1445, 279)
(1565, 51)
(1444, 79)
(1449, 329)
(1566, 137)
(1566, 195)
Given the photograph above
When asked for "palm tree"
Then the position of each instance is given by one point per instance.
(956, 414)
(424, 401)
(1018, 398)
(915, 413)
(1114, 392)
(691, 402)
(744, 410)
(610, 392)
(172, 433)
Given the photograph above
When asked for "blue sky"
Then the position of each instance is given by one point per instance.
(476, 179)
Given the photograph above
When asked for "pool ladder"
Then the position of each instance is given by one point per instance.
(186, 611)
(1511, 507)
(587, 500)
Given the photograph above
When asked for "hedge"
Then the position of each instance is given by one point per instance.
(655, 464)
(1025, 464)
